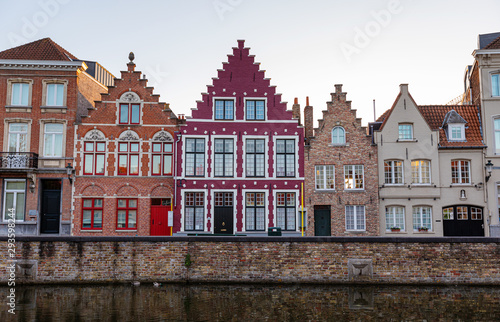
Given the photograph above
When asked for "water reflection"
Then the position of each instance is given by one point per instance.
(251, 303)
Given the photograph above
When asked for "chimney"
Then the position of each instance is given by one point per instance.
(296, 110)
(308, 119)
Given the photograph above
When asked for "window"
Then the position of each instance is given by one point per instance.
(94, 154)
(394, 217)
(18, 137)
(55, 95)
(224, 109)
(255, 110)
(405, 132)
(92, 214)
(161, 159)
(20, 94)
(355, 217)
(460, 172)
(421, 172)
(255, 157)
(128, 158)
(285, 158)
(393, 172)
(195, 211)
(495, 85)
(353, 177)
(422, 217)
(325, 177)
(456, 132)
(127, 214)
(338, 136)
(462, 213)
(195, 157)
(286, 210)
(255, 211)
(130, 113)
(448, 213)
(14, 199)
(496, 125)
(223, 158)
(53, 140)
(476, 213)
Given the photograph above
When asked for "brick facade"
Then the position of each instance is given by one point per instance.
(321, 153)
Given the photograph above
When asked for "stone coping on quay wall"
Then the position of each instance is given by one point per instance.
(259, 239)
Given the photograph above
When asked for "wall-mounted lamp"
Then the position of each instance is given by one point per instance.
(69, 172)
(489, 169)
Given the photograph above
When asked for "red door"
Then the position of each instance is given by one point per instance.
(159, 221)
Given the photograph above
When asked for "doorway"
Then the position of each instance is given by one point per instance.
(159, 216)
(223, 213)
(322, 222)
(50, 216)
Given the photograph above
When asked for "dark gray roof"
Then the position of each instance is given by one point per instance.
(485, 39)
(453, 117)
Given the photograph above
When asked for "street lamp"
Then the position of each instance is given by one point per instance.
(69, 172)
(489, 169)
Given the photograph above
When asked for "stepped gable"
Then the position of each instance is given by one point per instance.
(43, 49)
(435, 115)
(241, 78)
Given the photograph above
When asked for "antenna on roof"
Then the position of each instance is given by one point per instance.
(374, 113)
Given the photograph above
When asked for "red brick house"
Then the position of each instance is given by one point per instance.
(44, 89)
(124, 162)
(240, 160)
(341, 185)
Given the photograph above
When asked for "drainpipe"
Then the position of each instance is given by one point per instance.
(179, 135)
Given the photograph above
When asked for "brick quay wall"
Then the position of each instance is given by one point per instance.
(328, 260)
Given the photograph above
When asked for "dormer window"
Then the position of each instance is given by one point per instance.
(224, 110)
(495, 84)
(456, 132)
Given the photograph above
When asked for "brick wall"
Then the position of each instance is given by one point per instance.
(254, 259)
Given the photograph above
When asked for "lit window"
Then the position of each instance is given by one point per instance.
(338, 136)
(353, 177)
(20, 94)
(224, 110)
(255, 110)
(92, 214)
(14, 199)
(55, 95)
(161, 159)
(405, 132)
(223, 157)
(255, 211)
(421, 171)
(130, 113)
(53, 140)
(476, 213)
(128, 158)
(286, 210)
(195, 157)
(325, 177)
(195, 211)
(422, 217)
(460, 172)
(393, 172)
(94, 154)
(285, 158)
(127, 214)
(394, 217)
(355, 218)
(255, 157)
(495, 85)
(462, 213)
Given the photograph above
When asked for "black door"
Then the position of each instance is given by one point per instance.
(223, 216)
(322, 226)
(51, 206)
(463, 220)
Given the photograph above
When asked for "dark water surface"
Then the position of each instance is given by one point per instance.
(252, 303)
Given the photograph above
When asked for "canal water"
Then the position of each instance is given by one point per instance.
(217, 302)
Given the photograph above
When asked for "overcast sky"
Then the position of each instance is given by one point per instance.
(305, 46)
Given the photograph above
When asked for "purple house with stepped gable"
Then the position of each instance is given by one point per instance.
(239, 157)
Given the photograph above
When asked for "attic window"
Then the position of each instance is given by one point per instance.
(456, 132)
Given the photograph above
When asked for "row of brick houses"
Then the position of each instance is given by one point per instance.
(88, 154)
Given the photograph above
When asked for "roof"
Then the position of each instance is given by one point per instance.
(384, 115)
(43, 49)
(485, 39)
(495, 44)
(435, 114)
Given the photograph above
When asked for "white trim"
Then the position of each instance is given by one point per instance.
(4, 202)
(275, 157)
(356, 224)
(268, 122)
(183, 157)
(354, 178)
(297, 208)
(266, 156)
(214, 98)
(182, 205)
(266, 109)
(266, 208)
(212, 155)
(41, 64)
(324, 177)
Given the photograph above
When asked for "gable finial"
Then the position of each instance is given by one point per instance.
(131, 56)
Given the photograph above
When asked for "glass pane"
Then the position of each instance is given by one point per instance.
(228, 146)
(167, 147)
(132, 203)
(290, 165)
(53, 128)
(260, 146)
(219, 110)
(16, 185)
(200, 164)
(89, 146)
(259, 165)
(250, 165)
(87, 219)
(98, 203)
(250, 146)
(280, 220)
(167, 164)
(259, 110)
(18, 127)
(349, 217)
(16, 94)
(190, 164)
(59, 94)
(448, 213)
(218, 165)
(250, 218)
(260, 217)
(9, 204)
(97, 218)
(219, 145)
(190, 145)
(280, 165)
(101, 147)
(260, 199)
(87, 203)
(199, 218)
(132, 215)
(135, 114)
(200, 145)
(51, 88)
(495, 85)
(156, 147)
(290, 146)
(122, 203)
(58, 145)
(124, 113)
(156, 164)
(99, 164)
(49, 145)
(250, 199)
(250, 110)
(280, 146)
(123, 147)
(229, 110)
(122, 164)
(13, 143)
(122, 218)
(290, 218)
(20, 206)
(134, 147)
(189, 218)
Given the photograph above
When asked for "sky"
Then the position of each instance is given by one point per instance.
(305, 47)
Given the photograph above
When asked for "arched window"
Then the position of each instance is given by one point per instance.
(338, 136)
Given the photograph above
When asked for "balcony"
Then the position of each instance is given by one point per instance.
(18, 161)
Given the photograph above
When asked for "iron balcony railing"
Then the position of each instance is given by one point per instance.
(18, 160)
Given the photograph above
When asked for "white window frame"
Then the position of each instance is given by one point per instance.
(245, 108)
(10, 91)
(45, 95)
(496, 133)
(393, 172)
(459, 173)
(214, 100)
(354, 168)
(341, 130)
(461, 127)
(266, 208)
(495, 84)
(5, 211)
(357, 225)
(53, 134)
(419, 172)
(18, 135)
(323, 174)
(400, 132)
(390, 213)
(417, 213)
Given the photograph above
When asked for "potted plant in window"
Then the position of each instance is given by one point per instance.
(395, 229)
(424, 229)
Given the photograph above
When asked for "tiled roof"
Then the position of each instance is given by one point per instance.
(382, 117)
(435, 114)
(495, 44)
(43, 49)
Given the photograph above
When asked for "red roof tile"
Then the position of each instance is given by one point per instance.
(495, 44)
(434, 115)
(384, 115)
(43, 49)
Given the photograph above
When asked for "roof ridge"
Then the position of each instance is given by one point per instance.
(41, 49)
